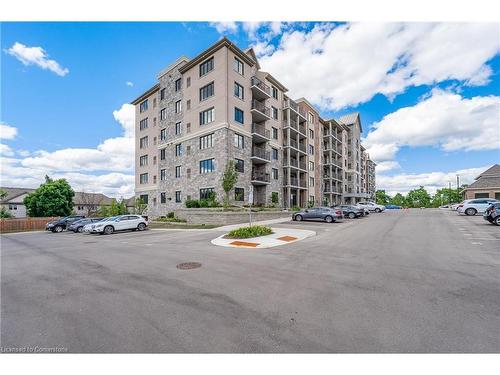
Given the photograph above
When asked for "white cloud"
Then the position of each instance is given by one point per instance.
(387, 166)
(354, 62)
(5, 150)
(225, 27)
(402, 183)
(126, 117)
(443, 119)
(36, 56)
(7, 131)
(129, 84)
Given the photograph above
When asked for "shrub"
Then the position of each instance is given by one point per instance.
(192, 203)
(295, 208)
(248, 232)
(171, 215)
(170, 220)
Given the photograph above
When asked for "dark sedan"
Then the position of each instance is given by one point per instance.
(77, 226)
(62, 223)
(351, 211)
(492, 213)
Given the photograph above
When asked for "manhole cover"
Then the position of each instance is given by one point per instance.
(188, 265)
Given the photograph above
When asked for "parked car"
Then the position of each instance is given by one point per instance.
(454, 206)
(492, 214)
(366, 211)
(61, 224)
(351, 211)
(77, 226)
(117, 223)
(372, 206)
(471, 207)
(393, 207)
(330, 215)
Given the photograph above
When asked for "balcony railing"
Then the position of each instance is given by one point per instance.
(261, 85)
(302, 148)
(261, 153)
(262, 177)
(261, 130)
(260, 107)
(289, 103)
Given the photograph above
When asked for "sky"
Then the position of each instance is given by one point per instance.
(428, 93)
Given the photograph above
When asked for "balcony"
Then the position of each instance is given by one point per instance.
(260, 155)
(289, 103)
(259, 111)
(294, 163)
(334, 162)
(260, 178)
(260, 133)
(260, 90)
(295, 182)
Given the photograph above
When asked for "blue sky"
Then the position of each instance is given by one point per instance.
(402, 78)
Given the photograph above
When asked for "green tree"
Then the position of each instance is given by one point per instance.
(445, 196)
(4, 213)
(399, 200)
(3, 194)
(381, 197)
(418, 198)
(114, 209)
(229, 180)
(139, 206)
(52, 198)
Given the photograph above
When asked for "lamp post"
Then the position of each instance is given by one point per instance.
(458, 186)
(449, 192)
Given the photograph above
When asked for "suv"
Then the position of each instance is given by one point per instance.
(327, 214)
(77, 226)
(117, 223)
(492, 213)
(62, 223)
(471, 207)
(372, 206)
(351, 211)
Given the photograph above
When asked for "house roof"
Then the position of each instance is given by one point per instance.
(350, 119)
(13, 193)
(490, 178)
(145, 94)
(493, 171)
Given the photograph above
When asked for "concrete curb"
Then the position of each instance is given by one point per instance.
(281, 236)
(227, 228)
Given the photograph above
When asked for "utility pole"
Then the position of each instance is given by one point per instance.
(458, 186)
(449, 192)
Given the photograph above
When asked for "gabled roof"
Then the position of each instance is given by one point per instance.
(13, 193)
(492, 171)
(250, 52)
(351, 119)
(146, 94)
(274, 81)
(180, 60)
(490, 178)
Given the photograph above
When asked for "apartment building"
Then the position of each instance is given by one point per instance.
(220, 106)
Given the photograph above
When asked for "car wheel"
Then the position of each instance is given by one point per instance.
(351, 215)
(79, 229)
(57, 229)
(329, 219)
(497, 220)
(298, 217)
(378, 210)
(109, 230)
(470, 211)
(141, 226)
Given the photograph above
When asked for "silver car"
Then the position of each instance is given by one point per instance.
(330, 215)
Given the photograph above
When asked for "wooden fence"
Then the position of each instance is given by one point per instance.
(24, 224)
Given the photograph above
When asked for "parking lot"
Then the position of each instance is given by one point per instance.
(400, 281)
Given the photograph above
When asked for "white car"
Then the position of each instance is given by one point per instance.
(454, 206)
(372, 206)
(117, 223)
(471, 207)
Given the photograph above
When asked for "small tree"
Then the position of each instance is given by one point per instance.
(229, 180)
(418, 198)
(139, 206)
(5, 214)
(398, 200)
(53, 198)
(381, 197)
(114, 209)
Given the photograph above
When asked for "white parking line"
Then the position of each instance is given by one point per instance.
(485, 239)
(476, 243)
(467, 234)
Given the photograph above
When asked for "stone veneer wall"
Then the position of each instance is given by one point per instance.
(218, 217)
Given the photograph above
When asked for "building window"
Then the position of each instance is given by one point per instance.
(163, 93)
(163, 174)
(238, 91)
(311, 166)
(275, 133)
(311, 133)
(206, 141)
(207, 116)
(207, 166)
(188, 172)
(163, 134)
(143, 178)
(206, 193)
(239, 194)
(178, 149)
(178, 84)
(274, 197)
(143, 160)
(163, 114)
(143, 106)
(162, 154)
(239, 165)
(275, 153)
(188, 150)
(143, 142)
(274, 112)
(154, 121)
(163, 198)
(310, 117)
(177, 171)
(178, 106)
(154, 102)
(274, 172)
(239, 141)
(206, 66)
(207, 91)
(178, 128)
(311, 150)
(188, 127)
(144, 198)
(154, 141)
(238, 66)
(311, 181)
(311, 199)
(143, 124)
(188, 81)
(154, 160)
(188, 104)
(274, 91)
(238, 115)
(178, 196)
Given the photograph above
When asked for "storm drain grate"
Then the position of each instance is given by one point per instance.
(188, 265)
